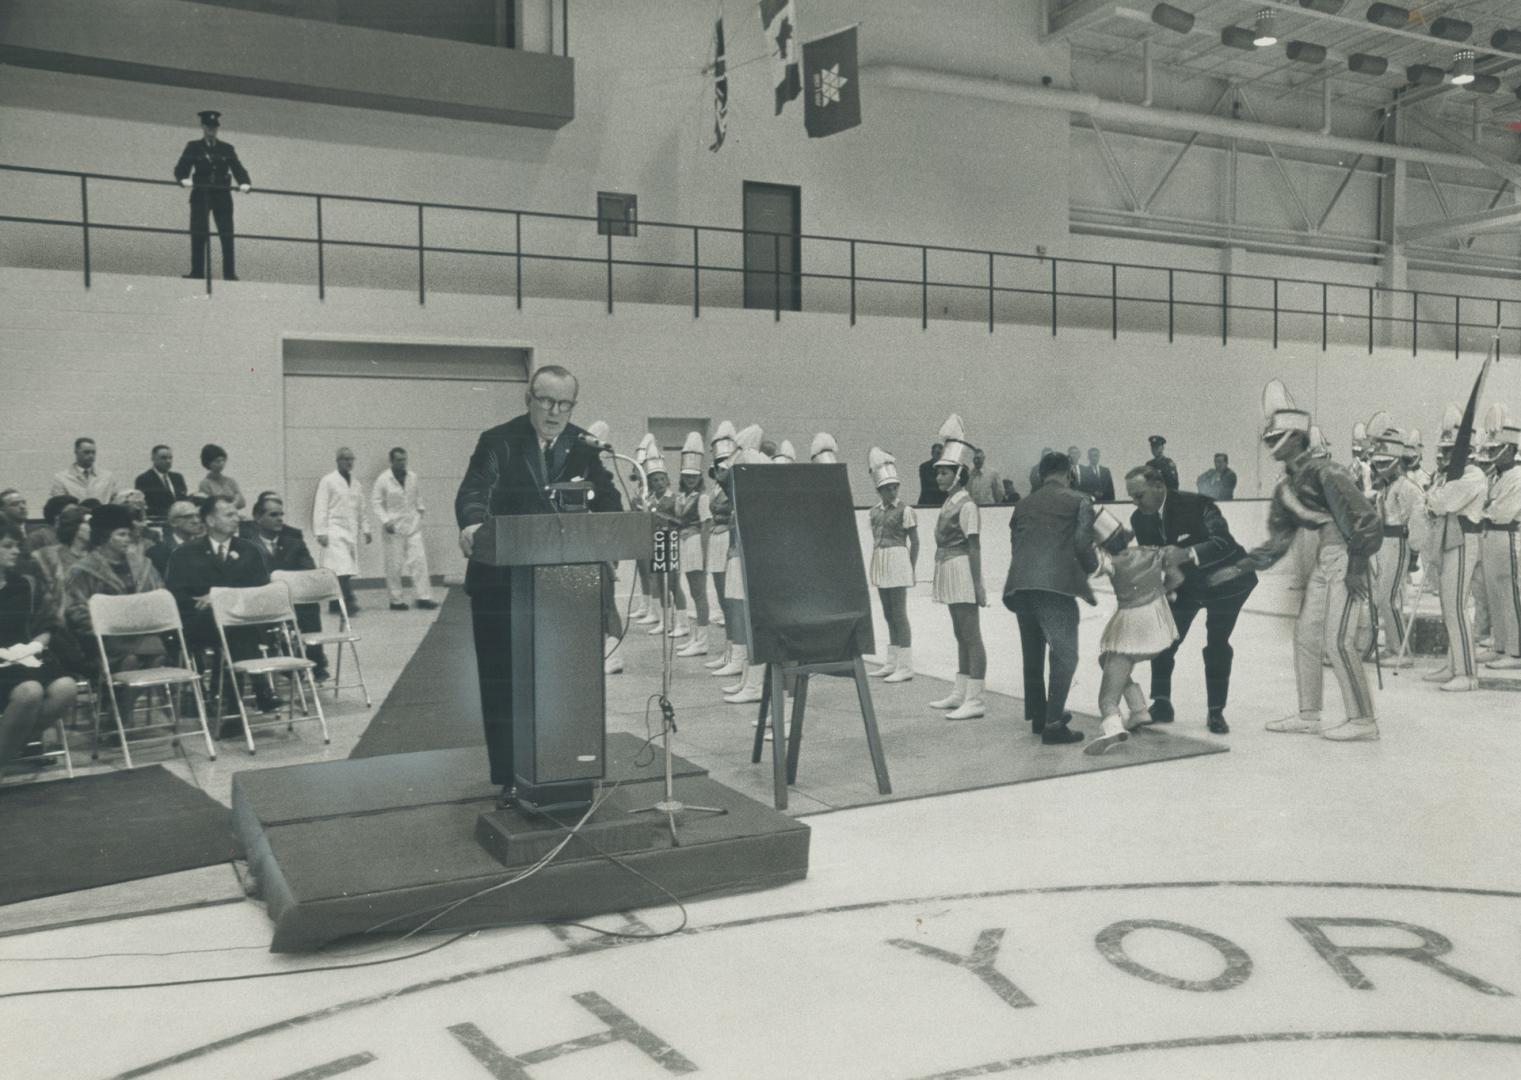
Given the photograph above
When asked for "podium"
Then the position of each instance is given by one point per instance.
(559, 707)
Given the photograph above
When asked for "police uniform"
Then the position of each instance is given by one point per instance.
(211, 165)
(1163, 463)
(1455, 512)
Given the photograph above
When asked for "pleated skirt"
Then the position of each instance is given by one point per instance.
(734, 581)
(690, 549)
(953, 581)
(1140, 631)
(718, 552)
(890, 568)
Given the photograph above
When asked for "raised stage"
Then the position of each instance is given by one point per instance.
(340, 848)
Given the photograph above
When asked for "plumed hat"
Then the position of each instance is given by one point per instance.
(1452, 419)
(957, 451)
(1320, 446)
(1359, 437)
(642, 451)
(1415, 444)
(1496, 420)
(883, 466)
(723, 441)
(1389, 444)
(692, 455)
(1379, 424)
(1281, 414)
(786, 454)
(599, 430)
(750, 438)
(654, 460)
(752, 456)
(1105, 525)
(824, 450)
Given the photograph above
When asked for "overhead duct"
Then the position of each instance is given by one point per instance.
(1450, 29)
(1325, 7)
(1304, 52)
(1395, 18)
(1367, 64)
(1483, 84)
(1175, 19)
(922, 80)
(1238, 37)
(1506, 40)
(1425, 75)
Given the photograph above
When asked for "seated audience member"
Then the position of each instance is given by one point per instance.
(34, 689)
(214, 460)
(220, 558)
(160, 485)
(143, 535)
(55, 560)
(284, 548)
(46, 535)
(113, 567)
(184, 525)
(82, 479)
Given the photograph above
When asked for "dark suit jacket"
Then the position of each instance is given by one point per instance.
(1097, 483)
(1051, 543)
(507, 475)
(159, 553)
(929, 491)
(151, 484)
(193, 571)
(291, 552)
(1195, 522)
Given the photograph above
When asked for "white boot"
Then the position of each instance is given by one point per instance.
(1113, 734)
(736, 664)
(722, 660)
(658, 621)
(973, 706)
(904, 669)
(954, 699)
(1140, 708)
(889, 664)
(637, 611)
(750, 690)
(698, 646)
(786, 729)
(649, 612)
(612, 662)
(681, 628)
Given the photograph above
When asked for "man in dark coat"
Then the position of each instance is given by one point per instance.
(1095, 480)
(929, 491)
(1193, 522)
(184, 526)
(1162, 463)
(511, 465)
(160, 485)
(1051, 556)
(284, 548)
(208, 166)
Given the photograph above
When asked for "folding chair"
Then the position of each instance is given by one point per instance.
(138, 615)
(264, 607)
(315, 587)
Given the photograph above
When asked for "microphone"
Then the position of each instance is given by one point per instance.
(595, 443)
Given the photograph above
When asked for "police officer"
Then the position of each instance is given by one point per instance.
(208, 167)
(1163, 463)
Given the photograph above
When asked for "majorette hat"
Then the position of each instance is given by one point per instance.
(1495, 421)
(1380, 424)
(750, 438)
(692, 455)
(752, 456)
(883, 466)
(1280, 413)
(654, 460)
(599, 430)
(957, 451)
(1105, 525)
(785, 454)
(1452, 419)
(723, 441)
(1320, 446)
(1359, 438)
(824, 451)
(1415, 446)
(1388, 445)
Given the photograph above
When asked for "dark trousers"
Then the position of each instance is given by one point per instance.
(206, 204)
(1219, 620)
(309, 621)
(1047, 620)
(491, 619)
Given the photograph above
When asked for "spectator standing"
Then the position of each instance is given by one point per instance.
(284, 548)
(161, 485)
(217, 483)
(13, 508)
(929, 488)
(1218, 483)
(184, 526)
(338, 521)
(34, 690)
(82, 479)
(396, 503)
(208, 167)
(1051, 555)
(1162, 462)
(1095, 480)
(984, 485)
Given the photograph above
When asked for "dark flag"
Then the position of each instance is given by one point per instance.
(1462, 445)
(833, 100)
(720, 87)
(779, 18)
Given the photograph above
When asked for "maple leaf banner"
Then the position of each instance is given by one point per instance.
(720, 87)
(779, 18)
(832, 84)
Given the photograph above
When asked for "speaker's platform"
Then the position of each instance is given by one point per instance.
(382, 844)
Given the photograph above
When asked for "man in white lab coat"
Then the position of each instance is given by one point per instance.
(396, 503)
(338, 520)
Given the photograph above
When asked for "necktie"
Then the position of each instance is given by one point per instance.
(221, 553)
(167, 484)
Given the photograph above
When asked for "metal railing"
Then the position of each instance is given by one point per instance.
(1388, 316)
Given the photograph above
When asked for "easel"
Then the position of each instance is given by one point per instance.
(784, 769)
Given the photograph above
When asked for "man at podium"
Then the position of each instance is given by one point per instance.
(510, 473)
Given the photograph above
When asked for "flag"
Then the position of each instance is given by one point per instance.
(832, 78)
(1462, 444)
(720, 87)
(779, 18)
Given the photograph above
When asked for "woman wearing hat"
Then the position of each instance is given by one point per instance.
(748, 689)
(670, 609)
(694, 518)
(958, 573)
(894, 556)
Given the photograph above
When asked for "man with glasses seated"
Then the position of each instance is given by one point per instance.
(508, 473)
(284, 548)
(184, 526)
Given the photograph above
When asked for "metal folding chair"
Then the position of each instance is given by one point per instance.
(138, 615)
(317, 587)
(266, 607)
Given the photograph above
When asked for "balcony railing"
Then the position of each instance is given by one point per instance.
(544, 254)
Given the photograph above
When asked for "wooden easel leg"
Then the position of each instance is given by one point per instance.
(873, 740)
(778, 734)
(795, 739)
(760, 726)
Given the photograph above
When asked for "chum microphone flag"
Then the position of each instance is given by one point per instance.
(779, 18)
(720, 87)
(831, 78)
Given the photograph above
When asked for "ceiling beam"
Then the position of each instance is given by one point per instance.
(1507, 217)
(1078, 15)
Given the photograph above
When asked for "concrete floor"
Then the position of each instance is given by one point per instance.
(1171, 920)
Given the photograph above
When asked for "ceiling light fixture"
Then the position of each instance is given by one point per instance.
(1171, 18)
(1265, 35)
(1367, 64)
(1425, 75)
(1395, 18)
(1450, 29)
(1305, 52)
(1462, 68)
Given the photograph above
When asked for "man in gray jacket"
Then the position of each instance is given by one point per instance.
(1051, 540)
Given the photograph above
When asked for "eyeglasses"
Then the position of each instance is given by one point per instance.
(554, 405)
